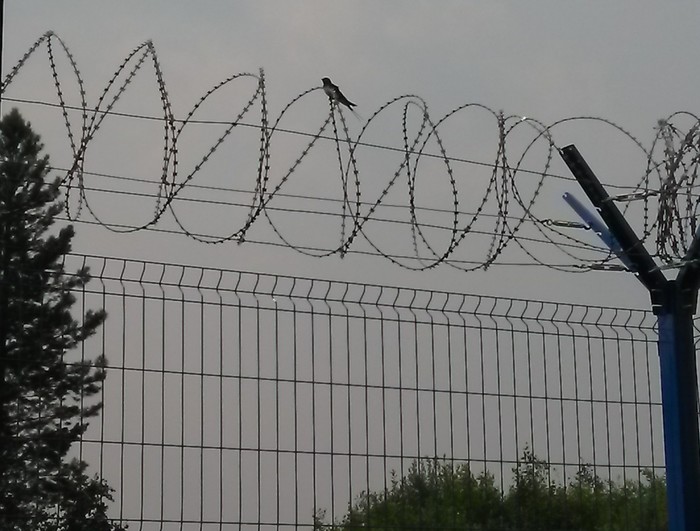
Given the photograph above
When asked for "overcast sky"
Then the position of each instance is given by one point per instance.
(627, 61)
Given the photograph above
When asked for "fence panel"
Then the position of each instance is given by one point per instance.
(239, 400)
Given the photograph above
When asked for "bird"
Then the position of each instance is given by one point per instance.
(334, 94)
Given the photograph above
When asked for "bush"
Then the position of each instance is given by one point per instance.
(437, 495)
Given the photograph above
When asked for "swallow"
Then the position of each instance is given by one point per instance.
(334, 94)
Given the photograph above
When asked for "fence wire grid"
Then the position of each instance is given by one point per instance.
(237, 400)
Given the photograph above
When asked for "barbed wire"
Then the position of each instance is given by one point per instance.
(506, 205)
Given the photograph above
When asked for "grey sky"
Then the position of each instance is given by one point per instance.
(627, 61)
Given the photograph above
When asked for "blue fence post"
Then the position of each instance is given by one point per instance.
(679, 395)
(674, 302)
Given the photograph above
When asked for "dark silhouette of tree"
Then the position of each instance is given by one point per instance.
(45, 400)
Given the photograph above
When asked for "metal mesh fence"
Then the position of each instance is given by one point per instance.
(239, 400)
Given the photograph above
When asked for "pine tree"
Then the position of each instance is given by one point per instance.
(45, 400)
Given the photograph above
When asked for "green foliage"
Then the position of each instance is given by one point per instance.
(44, 400)
(437, 495)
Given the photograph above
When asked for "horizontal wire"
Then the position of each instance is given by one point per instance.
(561, 223)
(547, 222)
(389, 221)
(306, 134)
(324, 250)
(296, 196)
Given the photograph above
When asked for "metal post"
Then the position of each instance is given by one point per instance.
(674, 302)
(679, 394)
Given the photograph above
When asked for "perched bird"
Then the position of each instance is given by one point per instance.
(334, 94)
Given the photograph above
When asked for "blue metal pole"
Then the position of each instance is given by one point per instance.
(679, 393)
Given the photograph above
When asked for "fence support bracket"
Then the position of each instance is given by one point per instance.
(674, 302)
